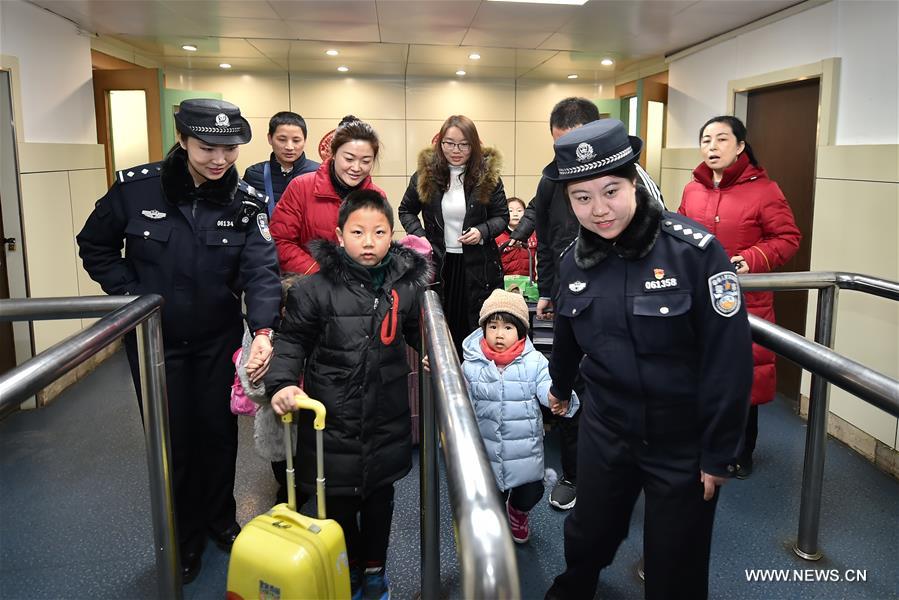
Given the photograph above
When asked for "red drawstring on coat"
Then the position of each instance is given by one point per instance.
(388, 325)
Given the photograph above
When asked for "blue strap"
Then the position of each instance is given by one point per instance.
(267, 178)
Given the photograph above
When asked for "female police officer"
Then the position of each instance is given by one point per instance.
(652, 305)
(197, 235)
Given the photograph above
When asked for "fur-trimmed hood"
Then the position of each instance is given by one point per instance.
(406, 265)
(634, 242)
(428, 184)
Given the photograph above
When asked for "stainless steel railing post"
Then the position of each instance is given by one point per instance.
(806, 545)
(430, 485)
(159, 456)
(483, 540)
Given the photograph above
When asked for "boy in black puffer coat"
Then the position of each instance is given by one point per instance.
(343, 333)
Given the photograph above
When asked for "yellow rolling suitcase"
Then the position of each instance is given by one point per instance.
(285, 555)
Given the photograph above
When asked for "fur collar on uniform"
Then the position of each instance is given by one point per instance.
(407, 264)
(179, 188)
(428, 182)
(634, 242)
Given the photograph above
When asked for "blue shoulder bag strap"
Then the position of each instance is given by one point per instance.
(267, 178)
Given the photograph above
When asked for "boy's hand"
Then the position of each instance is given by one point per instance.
(283, 400)
(260, 357)
(557, 407)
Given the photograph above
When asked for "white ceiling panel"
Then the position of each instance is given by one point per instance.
(333, 31)
(386, 35)
(427, 15)
(355, 12)
(443, 36)
(206, 10)
(523, 17)
(238, 64)
(449, 71)
(491, 38)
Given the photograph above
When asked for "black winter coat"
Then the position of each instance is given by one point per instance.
(487, 211)
(348, 344)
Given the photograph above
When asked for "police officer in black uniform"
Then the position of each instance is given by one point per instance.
(649, 309)
(196, 234)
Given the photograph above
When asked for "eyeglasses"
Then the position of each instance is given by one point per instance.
(461, 146)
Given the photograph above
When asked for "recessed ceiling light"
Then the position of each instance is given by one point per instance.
(474, 56)
(332, 52)
(460, 72)
(343, 68)
(607, 62)
(189, 47)
(572, 76)
(224, 66)
(571, 2)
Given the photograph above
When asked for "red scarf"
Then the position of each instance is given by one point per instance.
(506, 356)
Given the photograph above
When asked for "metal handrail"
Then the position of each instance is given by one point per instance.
(128, 313)
(867, 384)
(485, 550)
(872, 386)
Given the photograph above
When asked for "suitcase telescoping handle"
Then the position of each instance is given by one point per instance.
(307, 403)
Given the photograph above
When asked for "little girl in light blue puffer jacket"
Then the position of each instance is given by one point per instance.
(506, 378)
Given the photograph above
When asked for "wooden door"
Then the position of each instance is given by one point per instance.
(147, 80)
(782, 128)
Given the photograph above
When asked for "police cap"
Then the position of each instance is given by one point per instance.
(593, 149)
(212, 121)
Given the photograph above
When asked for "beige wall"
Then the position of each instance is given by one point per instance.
(512, 116)
(59, 184)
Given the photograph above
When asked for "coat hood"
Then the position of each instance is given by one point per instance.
(428, 183)
(406, 265)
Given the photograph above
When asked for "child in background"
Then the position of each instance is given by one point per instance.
(506, 378)
(515, 258)
(268, 432)
(343, 333)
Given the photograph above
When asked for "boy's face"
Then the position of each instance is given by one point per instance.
(287, 143)
(500, 335)
(366, 236)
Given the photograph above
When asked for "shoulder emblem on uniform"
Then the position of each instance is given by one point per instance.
(724, 292)
(139, 172)
(256, 196)
(262, 223)
(686, 231)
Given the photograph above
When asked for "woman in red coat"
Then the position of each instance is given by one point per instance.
(308, 208)
(733, 198)
(516, 259)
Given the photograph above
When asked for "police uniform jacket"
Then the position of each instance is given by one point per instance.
(198, 247)
(659, 320)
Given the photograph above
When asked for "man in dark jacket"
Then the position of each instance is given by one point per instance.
(287, 137)
(550, 214)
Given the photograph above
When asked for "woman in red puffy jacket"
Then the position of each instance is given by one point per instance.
(516, 258)
(733, 198)
(308, 208)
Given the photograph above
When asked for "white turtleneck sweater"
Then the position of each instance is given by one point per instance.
(453, 206)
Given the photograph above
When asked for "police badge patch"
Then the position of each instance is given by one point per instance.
(724, 291)
(262, 222)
